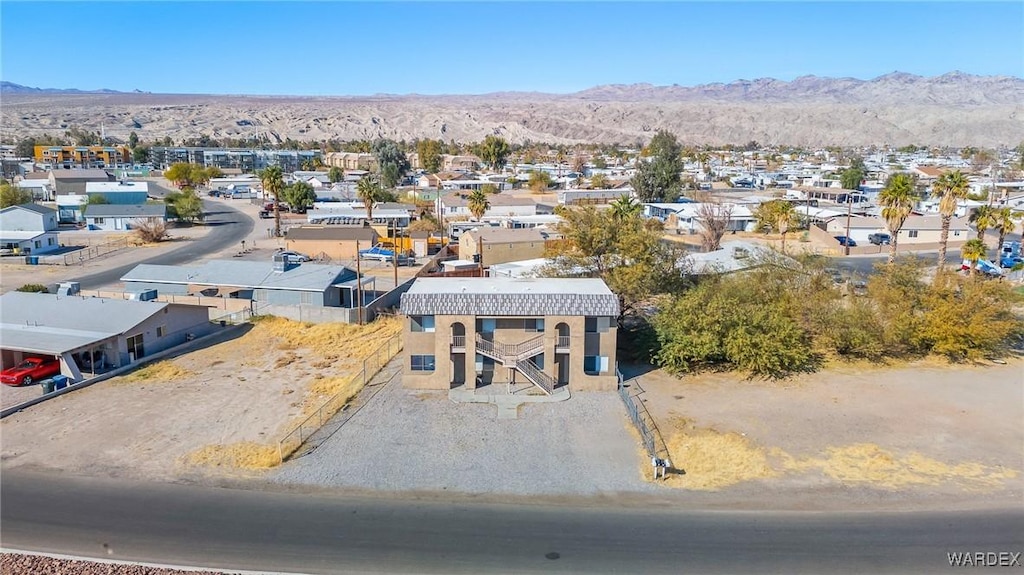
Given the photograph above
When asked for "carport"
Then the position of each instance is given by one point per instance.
(77, 350)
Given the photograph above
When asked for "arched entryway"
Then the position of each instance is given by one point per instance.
(562, 353)
(458, 358)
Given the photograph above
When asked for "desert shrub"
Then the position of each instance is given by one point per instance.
(33, 288)
(968, 318)
(150, 231)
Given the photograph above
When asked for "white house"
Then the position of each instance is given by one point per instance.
(502, 205)
(118, 217)
(28, 229)
(40, 189)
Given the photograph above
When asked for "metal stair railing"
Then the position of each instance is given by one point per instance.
(534, 374)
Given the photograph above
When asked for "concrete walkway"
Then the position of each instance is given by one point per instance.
(507, 403)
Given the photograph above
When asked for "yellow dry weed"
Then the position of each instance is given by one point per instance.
(160, 371)
(244, 455)
(712, 460)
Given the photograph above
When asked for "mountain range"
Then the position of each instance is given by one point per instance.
(898, 108)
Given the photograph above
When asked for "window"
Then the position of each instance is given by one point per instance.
(483, 364)
(486, 325)
(912, 233)
(595, 364)
(533, 324)
(161, 330)
(424, 323)
(305, 297)
(422, 362)
(38, 244)
(597, 324)
(50, 242)
(98, 220)
(956, 233)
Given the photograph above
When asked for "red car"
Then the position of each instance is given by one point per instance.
(29, 370)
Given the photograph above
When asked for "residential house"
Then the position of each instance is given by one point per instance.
(274, 283)
(64, 182)
(350, 161)
(122, 192)
(479, 332)
(28, 229)
(926, 230)
(120, 217)
(465, 162)
(93, 334)
(489, 245)
(502, 205)
(686, 217)
(860, 227)
(591, 197)
(334, 242)
(40, 188)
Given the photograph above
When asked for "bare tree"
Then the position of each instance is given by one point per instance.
(150, 231)
(714, 221)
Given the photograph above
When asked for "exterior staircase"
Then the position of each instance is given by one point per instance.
(517, 356)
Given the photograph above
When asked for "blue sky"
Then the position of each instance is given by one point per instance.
(344, 48)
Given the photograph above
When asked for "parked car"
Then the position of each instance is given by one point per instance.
(377, 252)
(265, 215)
(845, 241)
(880, 239)
(984, 267)
(1010, 261)
(295, 256)
(29, 370)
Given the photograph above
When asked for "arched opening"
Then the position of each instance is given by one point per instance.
(562, 355)
(458, 360)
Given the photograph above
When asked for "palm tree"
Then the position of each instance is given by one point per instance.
(950, 188)
(273, 182)
(784, 216)
(984, 217)
(1005, 220)
(368, 190)
(478, 204)
(625, 207)
(973, 250)
(897, 200)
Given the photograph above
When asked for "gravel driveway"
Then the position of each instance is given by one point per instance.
(413, 440)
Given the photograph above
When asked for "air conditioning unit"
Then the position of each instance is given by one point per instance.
(144, 295)
(68, 288)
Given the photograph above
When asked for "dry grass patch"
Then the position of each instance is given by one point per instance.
(712, 459)
(244, 455)
(332, 340)
(869, 463)
(160, 371)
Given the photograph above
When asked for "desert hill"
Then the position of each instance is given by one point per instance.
(954, 109)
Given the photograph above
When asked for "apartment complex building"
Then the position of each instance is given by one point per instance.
(84, 157)
(232, 158)
(476, 332)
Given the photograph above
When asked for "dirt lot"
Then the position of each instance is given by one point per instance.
(925, 429)
(190, 414)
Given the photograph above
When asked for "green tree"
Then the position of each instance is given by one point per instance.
(478, 204)
(429, 152)
(1004, 222)
(972, 251)
(489, 189)
(599, 162)
(188, 206)
(33, 288)
(273, 183)
(11, 195)
(777, 215)
(969, 320)
(494, 152)
(140, 154)
(299, 195)
(851, 178)
(26, 148)
(335, 174)
(133, 140)
(426, 223)
(599, 182)
(369, 191)
(540, 181)
(623, 251)
(211, 173)
(950, 188)
(659, 177)
(897, 201)
(391, 162)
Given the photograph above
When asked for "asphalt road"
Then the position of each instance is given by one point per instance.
(228, 227)
(317, 533)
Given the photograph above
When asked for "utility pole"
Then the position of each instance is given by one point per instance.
(480, 246)
(394, 251)
(359, 285)
(849, 208)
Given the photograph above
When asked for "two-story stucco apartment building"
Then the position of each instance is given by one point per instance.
(475, 332)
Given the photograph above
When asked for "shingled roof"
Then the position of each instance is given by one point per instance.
(510, 297)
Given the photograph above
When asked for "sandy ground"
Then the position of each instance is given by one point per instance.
(893, 434)
(251, 388)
